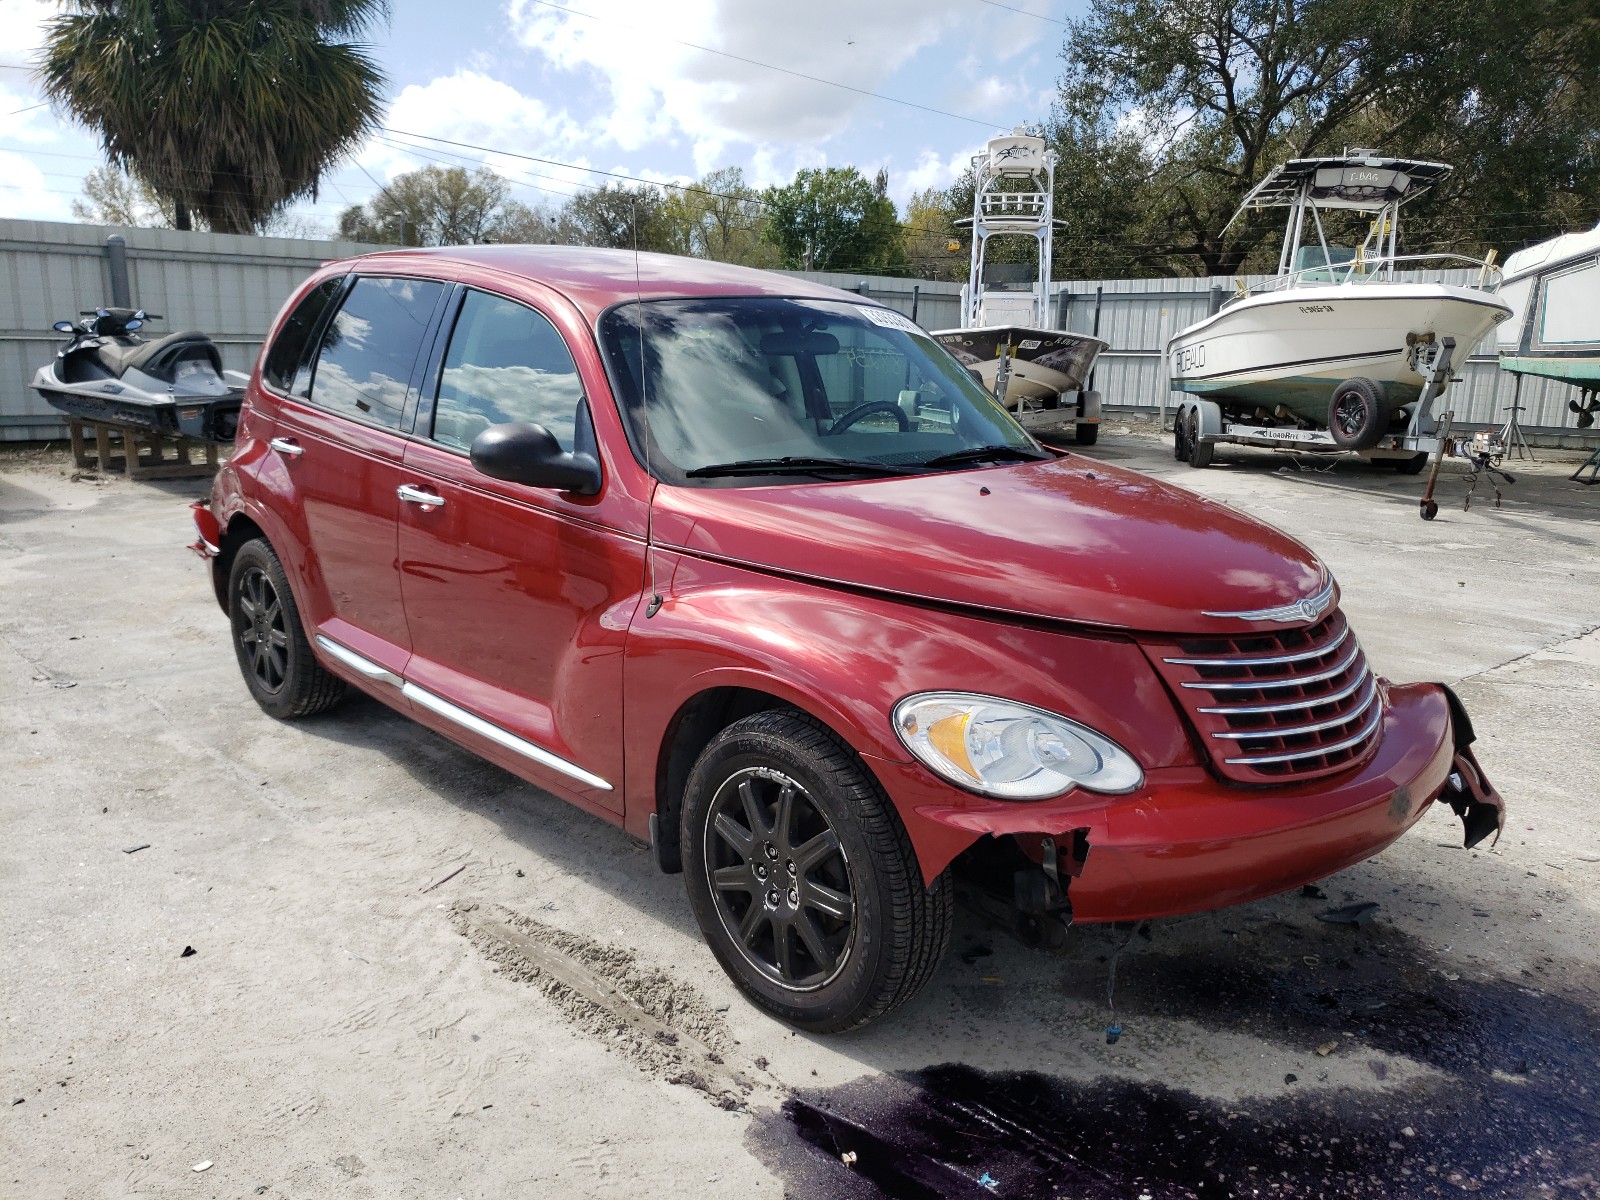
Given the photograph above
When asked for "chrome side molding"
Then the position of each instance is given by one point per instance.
(499, 736)
(355, 662)
(461, 716)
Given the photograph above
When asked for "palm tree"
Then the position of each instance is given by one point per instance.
(229, 109)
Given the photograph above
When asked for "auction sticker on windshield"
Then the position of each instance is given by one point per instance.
(890, 319)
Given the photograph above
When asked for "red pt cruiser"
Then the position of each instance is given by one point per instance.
(754, 569)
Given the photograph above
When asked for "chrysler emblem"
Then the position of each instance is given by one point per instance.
(1307, 610)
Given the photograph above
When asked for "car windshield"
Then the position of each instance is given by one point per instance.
(755, 386)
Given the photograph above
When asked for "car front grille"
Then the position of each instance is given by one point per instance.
(1277, 707)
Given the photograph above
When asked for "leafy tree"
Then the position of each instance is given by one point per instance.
(228, 109)
(444, 206)
(620, 217)
(113, 197)
(833, 219)
(1167, 115)
(929, 231)
(720, 218)
(517, 223)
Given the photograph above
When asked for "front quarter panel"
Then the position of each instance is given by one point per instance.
(848, 657)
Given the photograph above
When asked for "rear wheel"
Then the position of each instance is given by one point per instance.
(802, 877)
(1409, 466)
(1180, 442)
(274, 654)
(1359, 414)
(1086, 434)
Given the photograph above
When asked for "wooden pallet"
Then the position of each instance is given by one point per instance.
(139, 453)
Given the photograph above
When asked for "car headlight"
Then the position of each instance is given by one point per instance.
(1008, 750)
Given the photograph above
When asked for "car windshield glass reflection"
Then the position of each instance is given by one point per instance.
(738, 388)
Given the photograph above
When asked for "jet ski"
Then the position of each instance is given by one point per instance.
(169, 385)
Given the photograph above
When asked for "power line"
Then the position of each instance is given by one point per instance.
(1024, 12)
(785, 70)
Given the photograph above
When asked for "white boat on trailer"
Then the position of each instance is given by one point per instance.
(1005, 339)
(1337, 352)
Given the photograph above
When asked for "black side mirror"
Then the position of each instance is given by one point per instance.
(530, 455)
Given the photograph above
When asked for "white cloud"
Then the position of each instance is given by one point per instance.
(470, 107)
(22, 30)
(933, 171)
(25, 192)
(659, 87)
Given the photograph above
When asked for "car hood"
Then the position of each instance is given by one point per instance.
(1071, 539)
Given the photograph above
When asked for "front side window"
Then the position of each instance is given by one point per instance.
(505, 363)
(730, 380)
(366, 355)
(289, 350)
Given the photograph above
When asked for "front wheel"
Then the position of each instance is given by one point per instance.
(1085, 434)
(802, 877)
(275, 656)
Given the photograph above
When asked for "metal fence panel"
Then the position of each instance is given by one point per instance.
(232, 286)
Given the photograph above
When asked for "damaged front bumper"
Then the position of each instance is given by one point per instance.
(1185, 842)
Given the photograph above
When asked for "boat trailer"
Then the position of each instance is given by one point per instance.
(1425, 437)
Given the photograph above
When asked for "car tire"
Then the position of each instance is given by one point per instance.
(854, 933)
(1359, 414)
(1199, 452)
(1086, 435)
(275, 656)
(1180, 445)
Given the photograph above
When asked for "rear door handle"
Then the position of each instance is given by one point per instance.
(287, 447)
(415, 495)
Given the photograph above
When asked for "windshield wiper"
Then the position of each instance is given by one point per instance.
(981, 453)
(795, 465)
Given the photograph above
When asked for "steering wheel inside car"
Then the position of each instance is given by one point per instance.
(866, 410)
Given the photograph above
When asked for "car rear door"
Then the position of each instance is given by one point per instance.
(342, 443)
(517, 599)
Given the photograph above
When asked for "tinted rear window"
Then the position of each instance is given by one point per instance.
(369, 348)
(289, 351)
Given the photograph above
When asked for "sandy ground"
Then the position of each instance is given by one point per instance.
(547, 1021)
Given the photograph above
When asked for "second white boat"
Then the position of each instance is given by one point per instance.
(1337, 340)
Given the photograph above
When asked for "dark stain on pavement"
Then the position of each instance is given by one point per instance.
(1514, 1112)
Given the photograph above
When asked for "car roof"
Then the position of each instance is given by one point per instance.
(594, 278)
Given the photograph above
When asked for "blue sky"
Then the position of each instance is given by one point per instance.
(619, 85)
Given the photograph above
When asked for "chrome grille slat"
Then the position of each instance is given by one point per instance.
(1317, 752)
(1261, 685)
(1277, 707)
(1243, 710)
(1298, 730)
(1276, 660)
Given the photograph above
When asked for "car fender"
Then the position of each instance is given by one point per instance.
(847, 657)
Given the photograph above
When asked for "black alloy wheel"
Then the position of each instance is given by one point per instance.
(803, 878)
(1180, 444)
(780, 878)
(275, 656)
(1359, 414)
(263, 637)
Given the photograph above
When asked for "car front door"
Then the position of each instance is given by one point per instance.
(342, 446)
(517, 599)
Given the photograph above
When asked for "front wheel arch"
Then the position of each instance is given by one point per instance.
(698, 720)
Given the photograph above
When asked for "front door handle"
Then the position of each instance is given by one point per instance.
(412, 494)
(287, 447)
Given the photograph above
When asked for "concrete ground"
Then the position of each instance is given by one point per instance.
(548, 1022)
